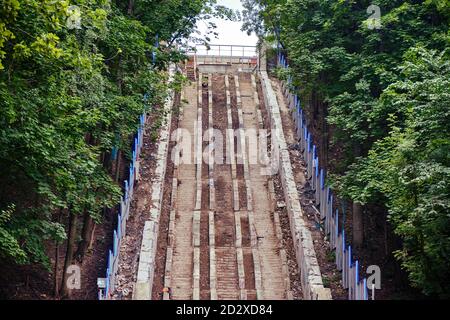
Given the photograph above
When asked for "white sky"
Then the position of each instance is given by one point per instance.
(229, 32)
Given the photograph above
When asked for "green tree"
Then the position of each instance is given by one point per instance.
(361, 105)
(70, 91)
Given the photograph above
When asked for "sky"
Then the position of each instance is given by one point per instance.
(229, 32)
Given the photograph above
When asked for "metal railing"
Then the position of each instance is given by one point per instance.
(334, 229)
(224, 53)
(225, 50)
(106, 286)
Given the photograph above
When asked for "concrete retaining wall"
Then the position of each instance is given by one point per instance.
(311, 278)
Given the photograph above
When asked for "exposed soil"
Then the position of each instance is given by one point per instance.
(131, 241)
(249, 271)
(330, 275)
(220, 112)
(288, 243)
(235, 122)
(224, 218)
(204, 216)
(25, 282)
(94, 262)
(246, 239)
(160, 258)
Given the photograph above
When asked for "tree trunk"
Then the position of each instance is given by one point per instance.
(130, 7)
(106, 161)
(91, 241)
(323, 152)
(118, 164)
(86, 234)
(55, 272)
(69, 251)
(386, 238)
(358, 231)
(357, 223)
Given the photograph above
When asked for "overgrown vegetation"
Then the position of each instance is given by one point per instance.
(385, 92)
(72, 82)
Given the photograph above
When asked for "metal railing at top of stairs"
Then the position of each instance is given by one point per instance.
(225, 53)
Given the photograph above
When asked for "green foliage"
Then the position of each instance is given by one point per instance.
(282, 73)
(174, 21)
(410, 169)
(386, 95)
(178, 82)
(9, 246)
(68, 95)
